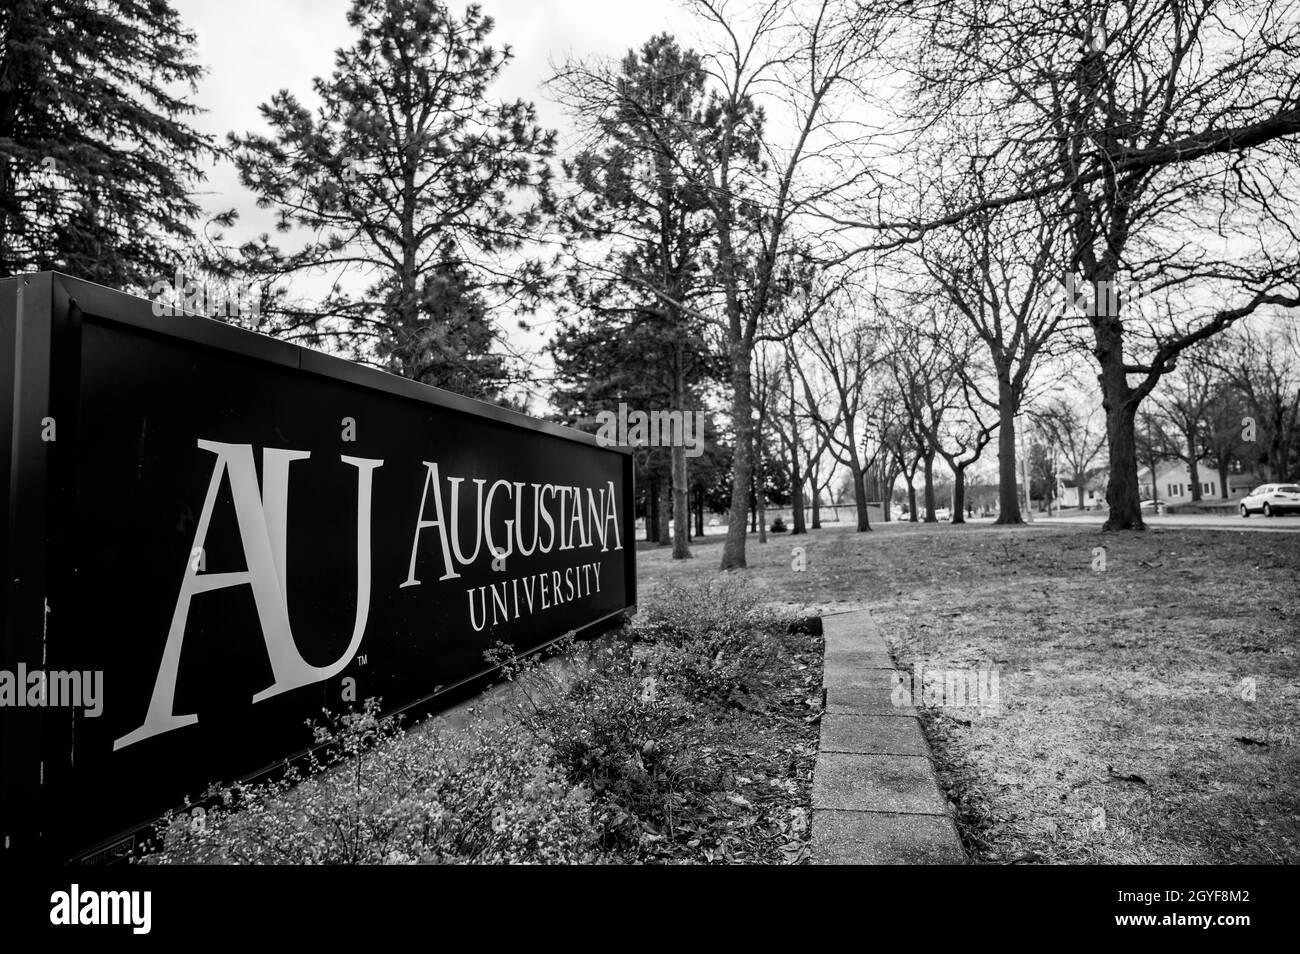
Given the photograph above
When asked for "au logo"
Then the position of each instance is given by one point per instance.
(263, 520)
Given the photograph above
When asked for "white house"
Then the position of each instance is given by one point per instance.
(1173, 483)
(1093, 493)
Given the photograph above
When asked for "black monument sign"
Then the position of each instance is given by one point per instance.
(231, 533)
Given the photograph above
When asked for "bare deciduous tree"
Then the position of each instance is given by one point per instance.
(1161, 136)
(1072, 427)
(837, 386)
(1263, 364)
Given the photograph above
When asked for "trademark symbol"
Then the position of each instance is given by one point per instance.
(361, 659)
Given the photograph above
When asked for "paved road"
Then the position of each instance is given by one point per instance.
(1199, 521)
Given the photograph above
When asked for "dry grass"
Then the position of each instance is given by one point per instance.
(1123, 735)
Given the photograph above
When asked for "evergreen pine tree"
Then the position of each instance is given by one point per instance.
(97, 160)
(412, 187)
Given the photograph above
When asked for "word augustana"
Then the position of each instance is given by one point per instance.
(571, 520)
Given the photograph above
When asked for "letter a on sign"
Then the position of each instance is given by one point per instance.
(263, 526)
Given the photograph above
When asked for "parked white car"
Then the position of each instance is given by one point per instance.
(1271, 499)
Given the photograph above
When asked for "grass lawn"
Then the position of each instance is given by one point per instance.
(1149, 709)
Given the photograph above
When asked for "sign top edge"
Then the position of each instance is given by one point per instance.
(110, 304)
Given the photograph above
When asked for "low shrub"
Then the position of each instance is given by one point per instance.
(613, 756)
(711, 641)
(372, 794)
(615, 732)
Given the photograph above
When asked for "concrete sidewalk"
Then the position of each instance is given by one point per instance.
(875, 799)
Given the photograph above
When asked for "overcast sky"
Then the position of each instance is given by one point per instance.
(252, 48)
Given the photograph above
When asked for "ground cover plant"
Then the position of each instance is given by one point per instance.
(689, 736)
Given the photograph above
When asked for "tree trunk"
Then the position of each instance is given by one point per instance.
(1194, 471)
(798, 521)
(814, 476)
(1121, 406)
(1122, 485)
(760, 478)
(798, 524)
(1008, 482)
(742, 461)
(959, 495)
(681, 509)
(887, 492)
(1153, 463)
(860, 498)
(929, 489)
(662, 536)
(911, 502)
(677, 461)
(699, 513)
(887, 498)
(1079, 479)
(652, 513)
